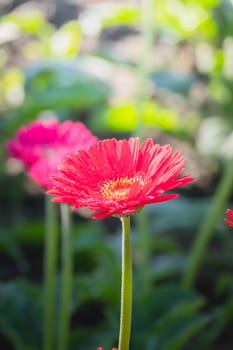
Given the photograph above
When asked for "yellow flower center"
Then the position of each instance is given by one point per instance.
(119, 189)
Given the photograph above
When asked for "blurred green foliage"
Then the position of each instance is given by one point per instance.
(89, 69)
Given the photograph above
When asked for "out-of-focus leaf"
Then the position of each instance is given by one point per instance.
(223, 16)
(224, 283)
(220, 317)
(173, 81)
(179, 330)
(56, 85)
(164, 118)
(177, 327)
(88, 235)
(63, 85)
(219, 91)
(31, 22)
(9, 244)
(99, 282)
(121, 118)
(66, 41)
(27, 232)
(63, 43)
(103, 283)
(165, 266)
(20, 314)
(124, 118)
(97, 264)
(121, 14)
(169, 319)
(99, 16)
(104, 337)
(184, 19)
(11, 86)
(207, 4)
(181, 213)
(165, 244)
(215, 137)
(164, 300)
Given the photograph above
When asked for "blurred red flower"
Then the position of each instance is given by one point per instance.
(230, 214)
(118, 177)
(43, 144)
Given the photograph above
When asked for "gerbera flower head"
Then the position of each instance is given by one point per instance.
(31, 141)
(118, 177)
(230, 215)
(44, 143)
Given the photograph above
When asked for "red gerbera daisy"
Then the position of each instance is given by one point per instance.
(43, 144)
(230, 214)
(118, 177)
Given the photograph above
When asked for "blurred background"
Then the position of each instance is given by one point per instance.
(160, 69)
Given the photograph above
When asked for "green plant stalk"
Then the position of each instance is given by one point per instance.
(50, 275)
(221, 196)
(66, 279)
(147, 38)
(126, 286)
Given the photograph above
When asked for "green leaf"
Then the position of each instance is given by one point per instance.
(11, 86)
(66, 41)
(11, 246)
(60, 85)
(184, 19)
(31, 22)
(166, 318)
(56, 85)
(162, 301)
(89, 338)
(20, 314)
(180, 330)
(100, 16)
(167, 265)
(124, 118)
(121, 118)
(28, 232)
(215, 137)
(180, 214)
(121, 14)
(155, 115)
(173, 81)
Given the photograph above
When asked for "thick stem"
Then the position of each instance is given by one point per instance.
(50, 265)
(66, 280)
(126, 286)
(207, 228)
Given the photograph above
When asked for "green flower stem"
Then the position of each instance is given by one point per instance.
(50, 264)
(147, 25)
(126, 286)
(222, 194)
(147, 39)
(66, 280)
(144, 68)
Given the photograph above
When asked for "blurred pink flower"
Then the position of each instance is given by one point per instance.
(230, 214)
(43, 144)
